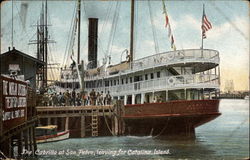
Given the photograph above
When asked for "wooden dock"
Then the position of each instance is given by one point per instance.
(19, 116)
(84, 121)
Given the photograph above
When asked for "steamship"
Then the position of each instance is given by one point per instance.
(169, 93)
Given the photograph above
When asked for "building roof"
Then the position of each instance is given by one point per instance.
(14, 51)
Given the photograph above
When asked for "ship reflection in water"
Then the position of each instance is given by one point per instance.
(227, 137)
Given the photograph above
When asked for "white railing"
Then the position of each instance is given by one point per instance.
(173, 57)
(168, 58)
(165, 83)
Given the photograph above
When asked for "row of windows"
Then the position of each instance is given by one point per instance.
(74, 85)
(94, 84)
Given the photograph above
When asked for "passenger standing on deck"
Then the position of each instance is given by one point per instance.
(85, 99)
(104, 99)
(108, 98)
(67, 98)
(101, 98)
(78, 99)
(92, 97)
(98, 98)
(46, 99)
(54, 99)
(60, 99)
(88, 100)
(70, 99)
(73, 97)
(50, 99)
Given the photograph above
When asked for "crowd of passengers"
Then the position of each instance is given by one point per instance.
(77, 99)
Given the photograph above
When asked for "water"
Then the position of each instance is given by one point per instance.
(226, 137)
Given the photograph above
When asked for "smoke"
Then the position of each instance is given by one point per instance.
(23, 13)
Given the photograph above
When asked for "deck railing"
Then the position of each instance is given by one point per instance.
(165, 83)
(180, 56)
(169, 58)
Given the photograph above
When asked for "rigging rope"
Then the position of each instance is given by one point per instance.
(136, 27)
(113, 28)
(153, 28)
(108, 13)
(72, 39)
(68, 40)
(20, 20)
(106, 122)
(230, 21)
(84, 44)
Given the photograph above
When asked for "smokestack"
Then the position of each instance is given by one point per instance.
(92, 47)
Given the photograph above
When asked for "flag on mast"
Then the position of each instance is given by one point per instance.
(167, 25)
(166, 15)
(206, 25)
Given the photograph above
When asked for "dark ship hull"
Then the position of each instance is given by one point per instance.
(174, 118)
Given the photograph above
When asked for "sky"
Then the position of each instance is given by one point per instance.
(229, 34)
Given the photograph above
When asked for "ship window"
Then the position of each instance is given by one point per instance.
(118, 82)
(126, 80)
(114, 82)
(111, 83)
(77, 85)
(152, 75)
(122, 81)
(140, 78)
(158, 74)
(136, 78)
(146, 77)
(106, 83)
(131, 79)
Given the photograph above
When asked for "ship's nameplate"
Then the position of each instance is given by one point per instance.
(14, 101)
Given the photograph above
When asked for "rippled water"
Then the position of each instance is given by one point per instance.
(226, 137)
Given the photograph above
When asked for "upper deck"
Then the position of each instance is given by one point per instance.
(201, 59)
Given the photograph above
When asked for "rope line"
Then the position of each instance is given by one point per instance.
(153, 28)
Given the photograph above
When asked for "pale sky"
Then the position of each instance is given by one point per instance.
(229, 35)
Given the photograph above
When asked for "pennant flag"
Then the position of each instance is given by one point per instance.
(206, 25)
(169, 32)
(172, 41)
(166, 15)
(170, 35)
(166, 20)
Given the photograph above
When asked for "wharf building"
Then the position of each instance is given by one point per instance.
(18, 103)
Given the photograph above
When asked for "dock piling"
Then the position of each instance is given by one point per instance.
(82, 126)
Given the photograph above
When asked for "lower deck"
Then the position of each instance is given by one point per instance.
(169, 95)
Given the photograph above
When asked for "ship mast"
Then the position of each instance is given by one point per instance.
(46, 48)
(132, 33)
(79, 24)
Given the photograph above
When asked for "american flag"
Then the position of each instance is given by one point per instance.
(206, 25)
